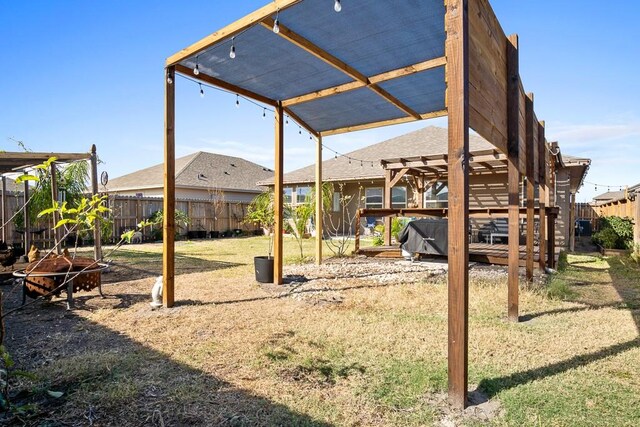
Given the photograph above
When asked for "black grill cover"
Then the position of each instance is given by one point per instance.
(425, 236)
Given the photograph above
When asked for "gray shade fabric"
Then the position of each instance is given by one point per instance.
(372, 37)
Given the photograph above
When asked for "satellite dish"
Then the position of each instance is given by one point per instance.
(104, 178)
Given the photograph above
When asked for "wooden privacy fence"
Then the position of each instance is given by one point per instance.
(204, 215)
(128, 211)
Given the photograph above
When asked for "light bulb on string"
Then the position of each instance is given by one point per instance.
(169, 78)
(264, 113)
(196, 69)
(237, 101)
(286, 121)
(349, 159)
(335, 156)
(371, 164)
(337, 6)
(361, 163)
(300, 131)
(232, 51)
(276, 23)
(201, 90)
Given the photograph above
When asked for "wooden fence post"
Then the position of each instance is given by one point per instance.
(513, 118)
(457, 77)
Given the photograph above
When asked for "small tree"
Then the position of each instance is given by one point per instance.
(262, 213)
(217, 203)
(340, 228)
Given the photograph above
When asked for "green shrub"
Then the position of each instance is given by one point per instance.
(614, 233)
(378, 241)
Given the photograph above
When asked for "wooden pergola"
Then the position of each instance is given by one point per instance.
(377, 64)
(16, 162)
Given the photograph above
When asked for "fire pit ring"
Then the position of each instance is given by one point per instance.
(83, 275)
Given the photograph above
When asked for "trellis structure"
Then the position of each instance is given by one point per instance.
(376, 64)
(12, 162)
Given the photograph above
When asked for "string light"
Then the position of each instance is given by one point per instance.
(337, 6)
(201, 85)
(169, 78)
(286, 120)
(276, 23)
(196, 70)
(232, 51)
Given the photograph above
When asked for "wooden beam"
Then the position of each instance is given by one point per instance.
(230, 30)
(513, 115)
(542, 198)
(3, 208)
(30, 157)
(301, 122)
(319, 200)
(169, 200)
(382, 123)
(224, 85)
(53, 170)
(25, 216)
(398, 176)
(304, 44)
(531, 124)
(379, 78)
(457, 77)
(278, 250)
(387, 205)
(97, 235)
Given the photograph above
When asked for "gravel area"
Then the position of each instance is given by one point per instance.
(326, 284)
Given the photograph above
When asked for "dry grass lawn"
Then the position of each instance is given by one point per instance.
(232, 352)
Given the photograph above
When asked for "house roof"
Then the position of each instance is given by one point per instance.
(609, 196)
(430, 140)
(198, 170)
(578, 167)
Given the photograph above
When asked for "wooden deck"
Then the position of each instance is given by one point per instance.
(478, 252)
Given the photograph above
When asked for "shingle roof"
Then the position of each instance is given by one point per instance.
(609, 196)
(201, 169)
(423, 142)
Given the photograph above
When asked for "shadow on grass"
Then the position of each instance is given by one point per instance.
(133, 265)
(109, 379)
(629, 300)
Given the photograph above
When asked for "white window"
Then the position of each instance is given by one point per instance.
(373, 198)
(336, 201)
(287, 192)
(301, 194)
(436, 196)
(399, 197)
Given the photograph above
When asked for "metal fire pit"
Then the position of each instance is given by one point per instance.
(46, 279)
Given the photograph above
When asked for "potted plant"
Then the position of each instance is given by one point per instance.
(261, 212)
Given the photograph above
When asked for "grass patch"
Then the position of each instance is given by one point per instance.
(233, 352)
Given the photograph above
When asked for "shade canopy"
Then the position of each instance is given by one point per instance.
(12, 162)
(372, 63)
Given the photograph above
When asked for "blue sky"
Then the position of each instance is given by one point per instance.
(86, 72)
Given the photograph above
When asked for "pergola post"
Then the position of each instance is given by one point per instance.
(54, 199)
(278, 194)
(97, 235)
(457, 77)
(530, 127)
(3, 208)
(513, 186)
(169, 201)
(572, 221)
(319, 200)
(542, 197)
(387, 205)
(25, 216)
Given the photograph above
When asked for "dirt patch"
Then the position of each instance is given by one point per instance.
(480, 409)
